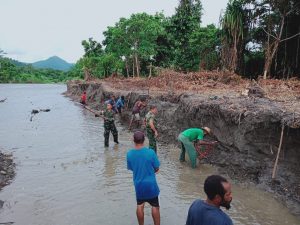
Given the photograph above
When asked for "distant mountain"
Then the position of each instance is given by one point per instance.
(16, 62)
(53, 62)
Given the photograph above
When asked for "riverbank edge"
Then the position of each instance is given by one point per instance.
(242, 154)
(7, 171)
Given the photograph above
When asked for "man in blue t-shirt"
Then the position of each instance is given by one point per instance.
(208, 212)
(144, 163)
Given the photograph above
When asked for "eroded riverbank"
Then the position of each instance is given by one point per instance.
(247, 128)
(66, 176)
(7, 171)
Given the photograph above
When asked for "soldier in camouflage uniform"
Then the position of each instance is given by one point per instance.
(109, 125)
(151, 124)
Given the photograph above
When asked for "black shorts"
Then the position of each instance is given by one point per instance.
(153, 201)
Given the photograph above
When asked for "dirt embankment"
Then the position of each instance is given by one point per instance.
(246, 119)
(7, 172)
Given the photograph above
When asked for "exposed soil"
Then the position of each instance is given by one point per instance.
(245, 116)
(7, 172)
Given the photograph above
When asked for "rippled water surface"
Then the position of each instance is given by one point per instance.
(64, 175)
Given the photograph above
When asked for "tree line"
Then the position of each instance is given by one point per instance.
(12, 71)
(255, 37)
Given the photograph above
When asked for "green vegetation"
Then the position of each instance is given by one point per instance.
(256, 37)
(12, 71)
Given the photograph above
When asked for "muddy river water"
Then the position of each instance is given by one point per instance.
(65, 176)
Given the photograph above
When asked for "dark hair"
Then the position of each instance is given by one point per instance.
(153, 107)
(122, 97)
(213, 186)
(142, 99)
(139, 137)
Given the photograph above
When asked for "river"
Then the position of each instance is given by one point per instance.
(65, 176)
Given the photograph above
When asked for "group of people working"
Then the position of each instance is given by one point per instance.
(144, 164)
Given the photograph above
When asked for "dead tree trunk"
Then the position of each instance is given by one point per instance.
(87, 74)
(136, 59)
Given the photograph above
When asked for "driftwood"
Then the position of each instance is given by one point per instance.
(36, 111)
(3, 100)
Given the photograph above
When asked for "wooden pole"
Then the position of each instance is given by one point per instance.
(278, 153)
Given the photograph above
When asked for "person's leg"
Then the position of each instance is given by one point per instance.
(106, 134)
(154, 202)
(152, 140)
(156, 215)
(131, 121)
(190, 148)
(140, 213)
(119, 110)
(114, 132)
(138, 120)
(182, 154)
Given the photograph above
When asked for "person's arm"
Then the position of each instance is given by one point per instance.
(128, 163)
(201, 142)
(151, 123)
(142, 105)
(155, 163)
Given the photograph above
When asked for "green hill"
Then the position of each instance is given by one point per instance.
(53, 62)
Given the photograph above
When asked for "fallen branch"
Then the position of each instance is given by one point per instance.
(278, 153)
(35, 111)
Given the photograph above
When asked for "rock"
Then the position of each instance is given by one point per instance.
(3, 172)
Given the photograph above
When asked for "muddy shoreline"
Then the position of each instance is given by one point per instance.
(247, 128)
(7, 171)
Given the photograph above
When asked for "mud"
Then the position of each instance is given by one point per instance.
(247, 128)
(7, 171)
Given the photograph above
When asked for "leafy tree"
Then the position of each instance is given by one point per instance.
(186, 20)
(12, 72)
(92, 48)
(2, 53)
(134, 38)
(206, 42)
(235, 28)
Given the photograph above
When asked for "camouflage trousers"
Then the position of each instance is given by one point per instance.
(152, 140)
(110, 127)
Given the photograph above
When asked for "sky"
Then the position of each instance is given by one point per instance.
(32, 30)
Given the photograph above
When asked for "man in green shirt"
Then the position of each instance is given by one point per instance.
(187, 139)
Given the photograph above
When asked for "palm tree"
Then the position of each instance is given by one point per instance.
(234, 29)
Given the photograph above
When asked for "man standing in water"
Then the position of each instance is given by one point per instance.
(144, 163)
(208, 212)
(187, 139)
(136, 117)
(109, 125)
(83, 98)
(151, 125)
